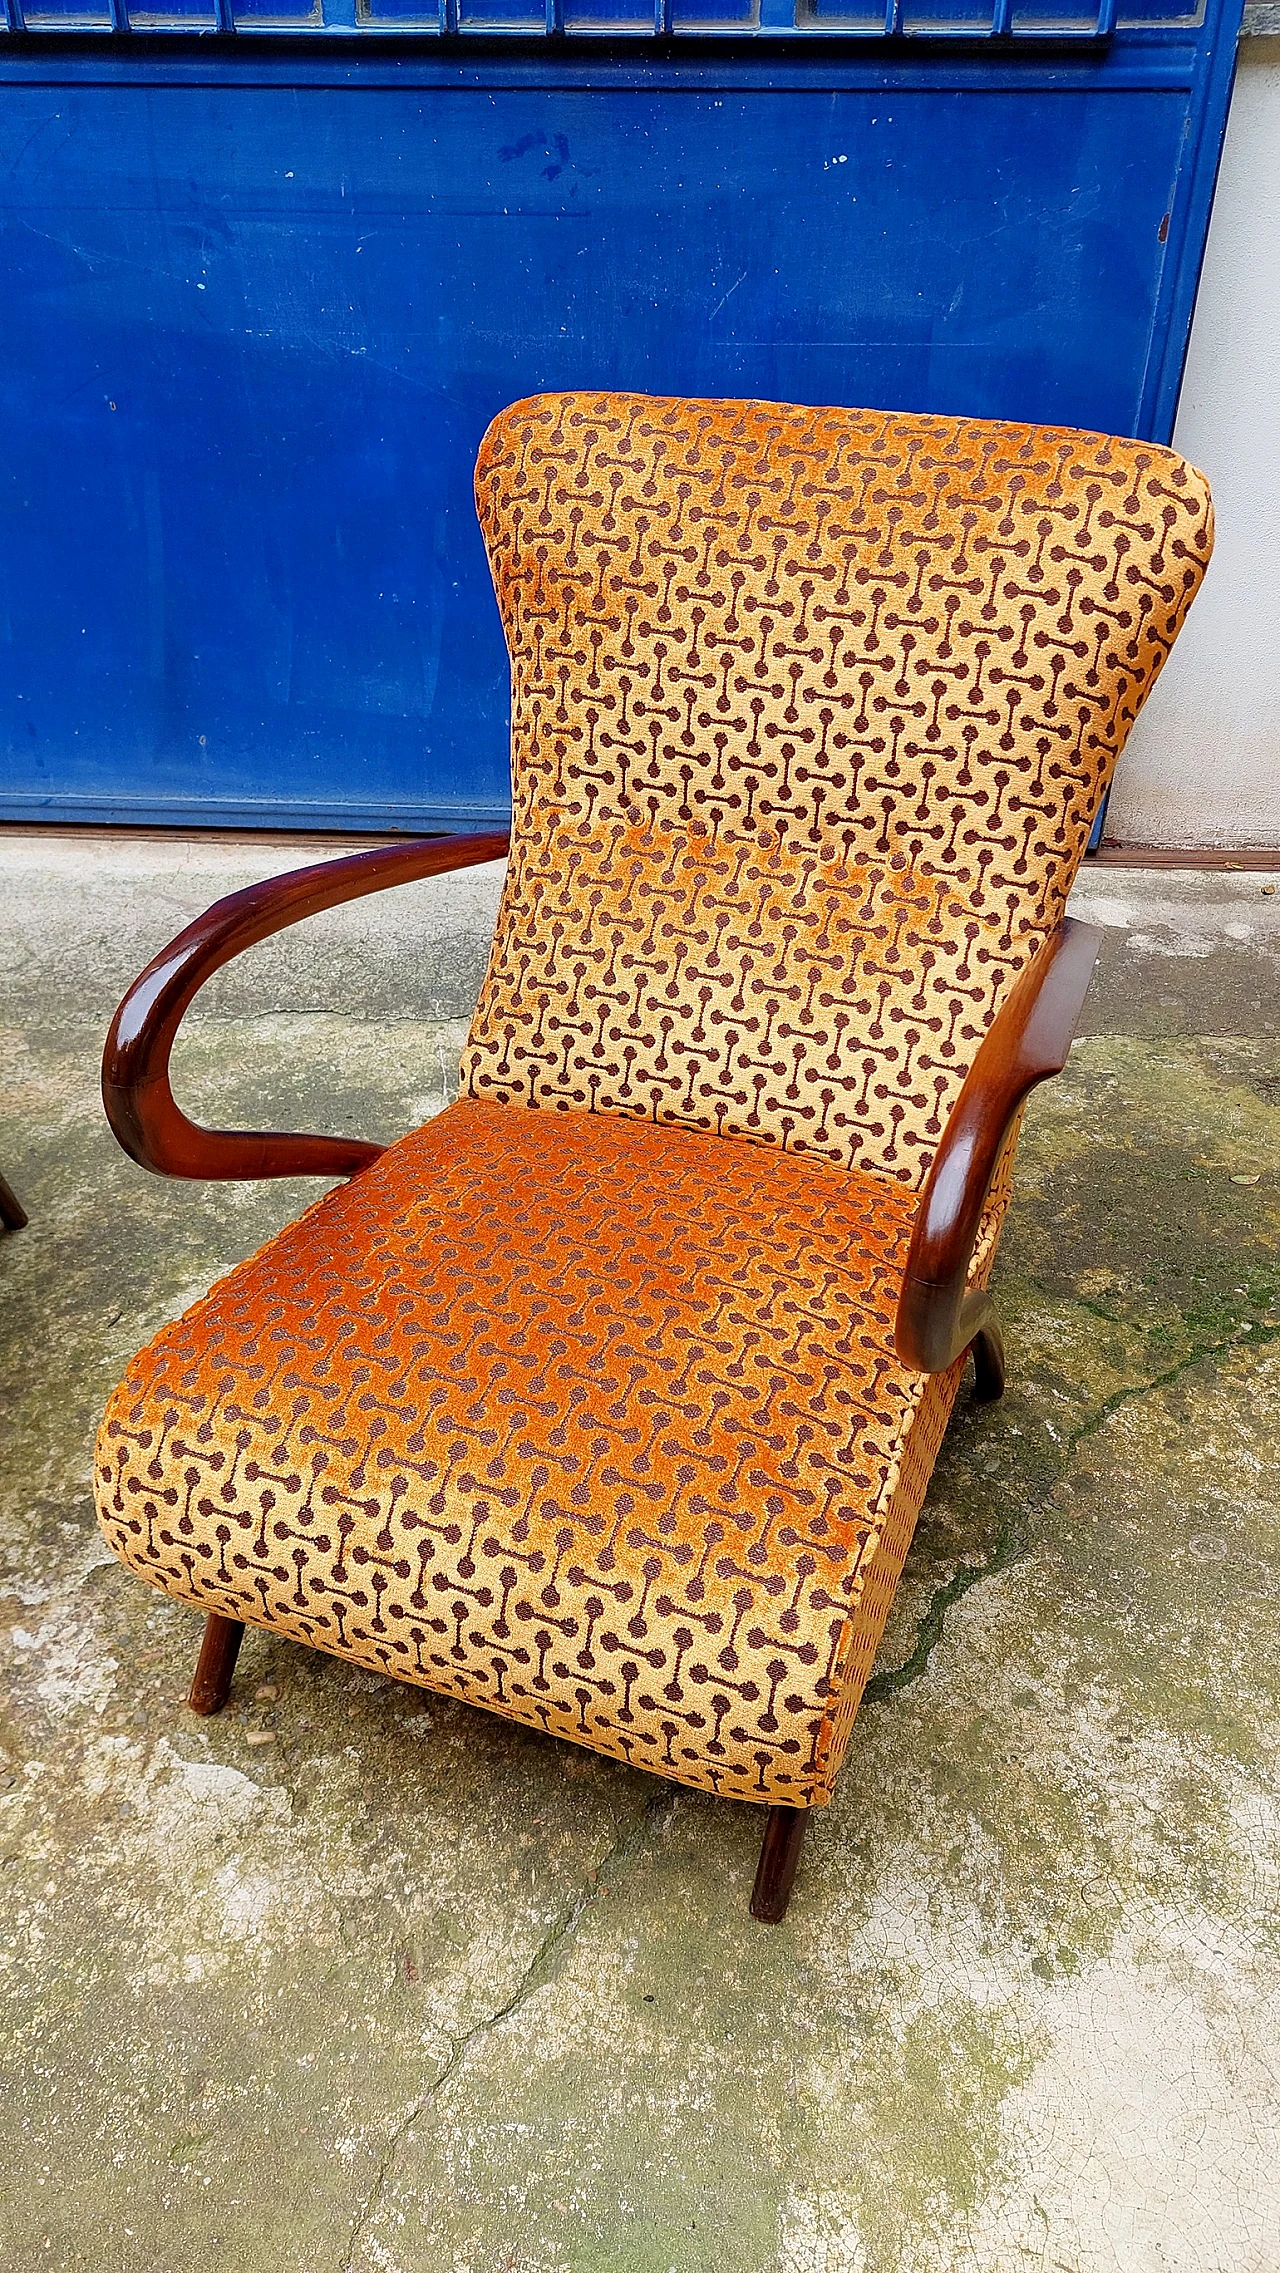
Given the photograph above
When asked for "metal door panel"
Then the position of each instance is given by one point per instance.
(256, 322)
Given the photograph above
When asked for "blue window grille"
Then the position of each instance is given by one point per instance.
(1013, 23)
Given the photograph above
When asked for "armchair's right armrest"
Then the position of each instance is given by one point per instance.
(1028, 1040)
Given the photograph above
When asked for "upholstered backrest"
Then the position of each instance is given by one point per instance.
(811, 714)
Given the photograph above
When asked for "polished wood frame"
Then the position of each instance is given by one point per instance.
(938, 1316)
(139, 1101)
(13, 1215)
(216, 1664)
(1029, 1039)
(784, 1832)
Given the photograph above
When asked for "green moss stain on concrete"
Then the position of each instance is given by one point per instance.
(355, 1981)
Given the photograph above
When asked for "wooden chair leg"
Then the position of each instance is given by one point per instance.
(988, 1364)
(216, 1664)
(13, 1215)
(776, 1870)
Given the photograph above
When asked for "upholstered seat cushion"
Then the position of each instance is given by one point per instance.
(595, 1423)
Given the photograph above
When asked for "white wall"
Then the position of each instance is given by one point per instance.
(1203, 766)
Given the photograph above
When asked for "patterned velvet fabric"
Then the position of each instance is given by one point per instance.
(811, 714)
(587, 1421)
(591, 1413)
(738, 986)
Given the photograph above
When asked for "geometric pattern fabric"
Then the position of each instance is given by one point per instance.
(738, 986)
(591, 1413)
(593, 1423)
(811, 714)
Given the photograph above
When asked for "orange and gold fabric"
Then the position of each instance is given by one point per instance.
(582, 1402)
(811, 714)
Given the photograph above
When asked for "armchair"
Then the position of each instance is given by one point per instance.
(608, 1400)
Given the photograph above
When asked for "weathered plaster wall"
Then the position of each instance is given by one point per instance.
(1203, 767)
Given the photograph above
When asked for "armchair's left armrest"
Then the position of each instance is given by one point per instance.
(139, 1102)
(1028, 1040)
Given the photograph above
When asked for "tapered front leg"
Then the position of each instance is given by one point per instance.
(988, 1364)
(13, 1215)
(216, 1664)
(784, 1832)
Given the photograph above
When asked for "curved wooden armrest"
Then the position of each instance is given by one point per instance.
(135, 1065)
(1028, 1041)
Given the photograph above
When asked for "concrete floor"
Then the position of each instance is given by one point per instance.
(355, 1980)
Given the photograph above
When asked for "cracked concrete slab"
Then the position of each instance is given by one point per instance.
(354, 1980)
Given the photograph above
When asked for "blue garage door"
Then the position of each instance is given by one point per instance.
(263, 294)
